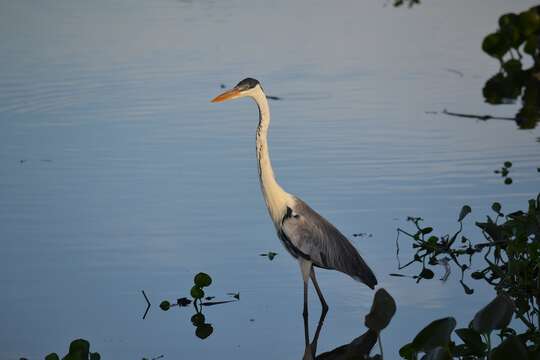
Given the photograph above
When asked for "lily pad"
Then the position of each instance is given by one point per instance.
(202, 280)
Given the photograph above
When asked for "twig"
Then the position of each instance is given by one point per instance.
(479, 117)
(147, 302)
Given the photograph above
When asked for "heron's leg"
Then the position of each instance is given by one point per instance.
(319, 292)
(306, 268)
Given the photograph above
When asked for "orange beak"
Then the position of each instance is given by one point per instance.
(227, 95)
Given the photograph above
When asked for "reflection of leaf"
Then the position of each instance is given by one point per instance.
(203, 331)
(382, 311)
(435, 334)
(359, 348)
(511, 348)
(494, 316)
(197, 292)
(465, 210)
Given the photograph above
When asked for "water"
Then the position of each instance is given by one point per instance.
(117, 174)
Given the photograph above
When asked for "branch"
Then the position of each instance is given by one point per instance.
(479, 117)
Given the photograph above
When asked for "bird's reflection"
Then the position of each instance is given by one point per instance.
(358, 348)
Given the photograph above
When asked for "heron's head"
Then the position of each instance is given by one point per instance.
(246, 87)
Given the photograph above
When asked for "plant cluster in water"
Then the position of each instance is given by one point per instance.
(200, 281)
(504, 171)
(78, 350)
(510, 252)
(518, 34)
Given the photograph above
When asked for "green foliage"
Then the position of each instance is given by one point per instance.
(504, 171)
(79, 349)
(511, 265)
(202, 280)
(165, 305)
(517, 34)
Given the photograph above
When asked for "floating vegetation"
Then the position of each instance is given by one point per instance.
(509, 263)
(78, 350)
(504, 171)
(271, 255)
(200, 281)
(517, 35)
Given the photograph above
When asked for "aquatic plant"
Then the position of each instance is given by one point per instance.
(510, 252)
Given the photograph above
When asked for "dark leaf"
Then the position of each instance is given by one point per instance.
(511, 348)
(426, 274)
(202, 280)
(473, 340)
(494, 316)
(183, 301)
(196, 292)
(465, 210)
(165, 305)
(435, 334)
(381, 312)
(204, 331)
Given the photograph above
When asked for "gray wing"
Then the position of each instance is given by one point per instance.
(307, 234)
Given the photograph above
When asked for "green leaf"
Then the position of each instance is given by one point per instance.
(426, 274)
(202, 280)
(509, 19)
(204, 331)
(465, 210)
(408, 352)
(511, 348)
(165, 305)
(473, 340)
(197, 319)
(529, 22)
(426, 230)
(508, 181)
(381, 312)
(496, 207)
(495, 45)
(531, 44)
(52, 356)
(494, 316)
(508, 164)
(197, 292)
(435, 334)
(477, 275)
(80, 346)
(95, 356)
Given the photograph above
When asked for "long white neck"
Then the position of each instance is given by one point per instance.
(274, 196)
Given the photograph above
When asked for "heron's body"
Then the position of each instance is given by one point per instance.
(306, 235)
